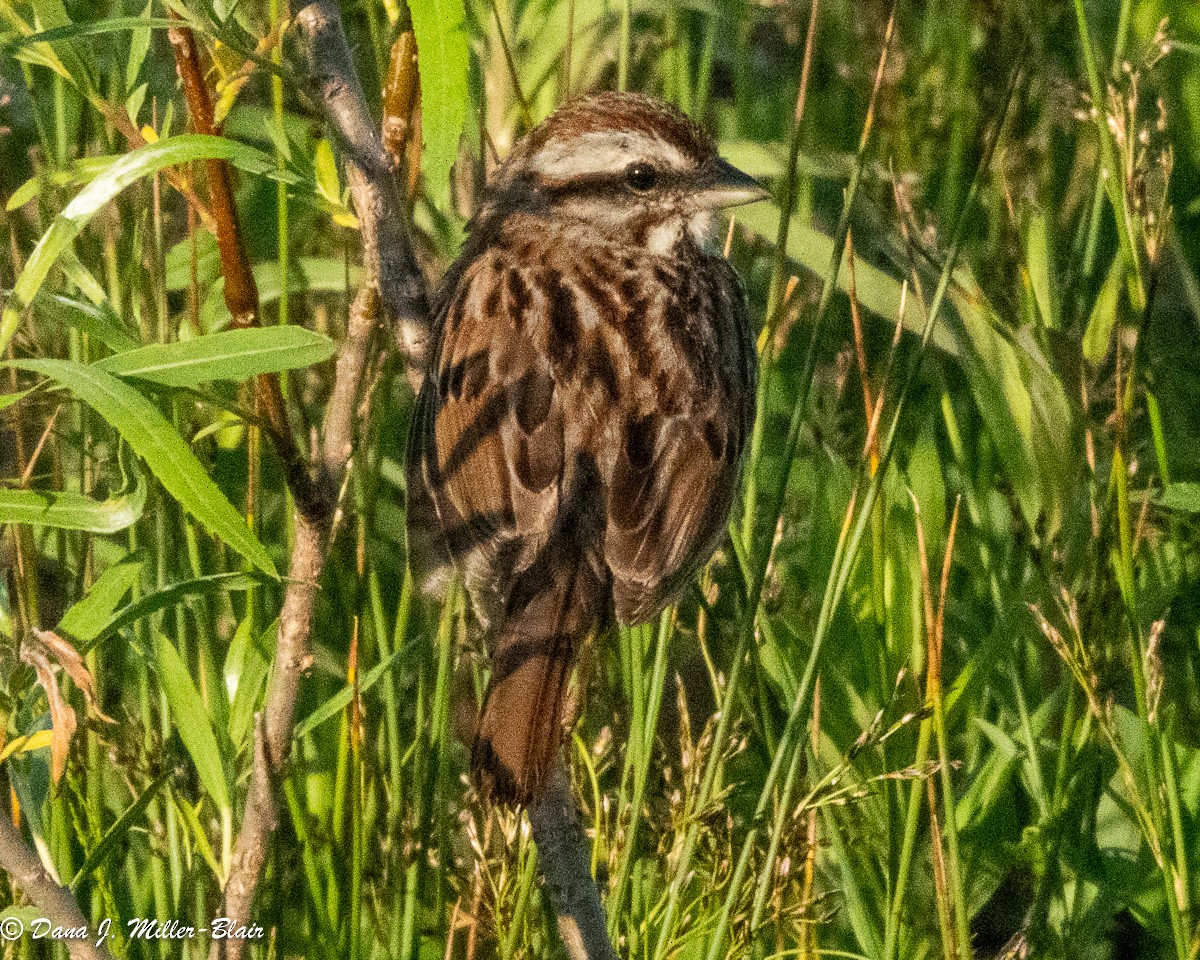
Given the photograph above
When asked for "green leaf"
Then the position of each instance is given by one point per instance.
(52, 15)
(229, 355)
(77, 511)
(191, 817)
(441, 35)
(191, 719)
(768, 159)
(1098, 335)
(42, 54)
(125, 171)
(27, 915)
(247, 664)
(340, 700)
(87, 617)
(1183, 497)
(120, 829)
(1039, 260)
(201, 244)
(164, 451)
(812, 249)
(139, 42)
(1017, 392)
(76, 172)
(8, 399)
(97, 321)
(169, 596)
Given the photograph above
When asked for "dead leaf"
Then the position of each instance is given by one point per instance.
(62, 717)
(72, 661)
(47, 654)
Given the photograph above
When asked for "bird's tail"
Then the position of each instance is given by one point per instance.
(533, 651)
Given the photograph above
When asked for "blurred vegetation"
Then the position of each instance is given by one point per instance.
(868, 731)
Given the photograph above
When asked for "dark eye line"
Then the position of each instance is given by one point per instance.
(603, 185)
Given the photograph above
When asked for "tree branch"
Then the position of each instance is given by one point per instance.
(387, 245)
(565, 864)
(393, 292)
(241, 289)
(53, 902)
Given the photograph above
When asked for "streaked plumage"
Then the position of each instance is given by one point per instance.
(577, 442)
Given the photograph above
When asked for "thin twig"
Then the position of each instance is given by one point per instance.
(241, 290)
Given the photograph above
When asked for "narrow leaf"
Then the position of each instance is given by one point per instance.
(120, 829)
(168, 597)
(76, 511)
(98, 321)
(8, 399)
(441, 34)
(1183, 497)
(125, 171)
(191, 719)
(229, 355)
(338, 702)
(87, 617)
(164, 451)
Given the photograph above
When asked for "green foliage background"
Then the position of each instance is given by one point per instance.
(772, 770)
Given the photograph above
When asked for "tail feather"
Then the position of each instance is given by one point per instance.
(523, 721)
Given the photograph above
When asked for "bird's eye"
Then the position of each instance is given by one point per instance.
(641, 176)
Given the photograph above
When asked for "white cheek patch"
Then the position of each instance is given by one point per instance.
(700, 226)
(664, 236)
(602, 152)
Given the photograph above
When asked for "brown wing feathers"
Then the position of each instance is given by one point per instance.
(564, 495)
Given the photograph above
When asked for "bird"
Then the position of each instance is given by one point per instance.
(576, 445)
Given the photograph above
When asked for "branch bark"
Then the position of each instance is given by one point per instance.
(393, 294)
(53, 902)
(386, 240)
(565, 864)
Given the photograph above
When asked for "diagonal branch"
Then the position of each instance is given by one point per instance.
(387, 244)
(53, 902)
(241, 289)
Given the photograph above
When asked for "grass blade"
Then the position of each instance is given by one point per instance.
(191, 720)
(126, 171)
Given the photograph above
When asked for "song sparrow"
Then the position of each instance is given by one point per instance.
(576, 444)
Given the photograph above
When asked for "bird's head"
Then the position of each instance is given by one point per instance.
(632, 167)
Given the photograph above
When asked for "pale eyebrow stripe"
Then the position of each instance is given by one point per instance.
(605, 152)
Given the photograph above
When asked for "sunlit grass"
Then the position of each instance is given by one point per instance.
(869, 730)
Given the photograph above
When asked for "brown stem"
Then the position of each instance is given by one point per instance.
(392, 292)
(400, 95)
(241, 290)
(53, 902)
(133, 136)
(273, 732)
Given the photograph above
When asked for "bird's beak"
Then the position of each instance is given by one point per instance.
(729, 187)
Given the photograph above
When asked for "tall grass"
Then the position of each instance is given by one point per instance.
(938, 693)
